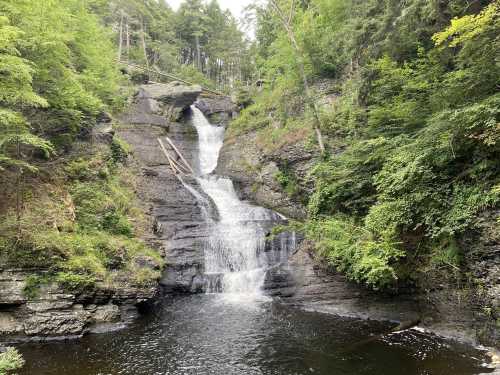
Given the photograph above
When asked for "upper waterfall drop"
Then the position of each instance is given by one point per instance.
(210, 141)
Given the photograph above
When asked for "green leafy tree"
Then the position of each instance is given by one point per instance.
(17, 96)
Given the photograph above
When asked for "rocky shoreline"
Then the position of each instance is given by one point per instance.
(57, 313)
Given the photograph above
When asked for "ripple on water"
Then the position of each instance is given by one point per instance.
(221, 335)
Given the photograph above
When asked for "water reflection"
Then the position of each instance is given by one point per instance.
(212, 334)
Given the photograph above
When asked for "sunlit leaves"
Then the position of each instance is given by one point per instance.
(463, 29)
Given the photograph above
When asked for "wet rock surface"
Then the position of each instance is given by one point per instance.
(218, 110)
(178, 228)
(303, 282)
(254, 172)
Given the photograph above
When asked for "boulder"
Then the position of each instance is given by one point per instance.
(219, 110)
(168, 100)
(107, 313)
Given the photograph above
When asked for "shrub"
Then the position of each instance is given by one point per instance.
(355, 251)
(288, 182)
(32, 285)
(75, 282)
(119, 150)
(10, 360)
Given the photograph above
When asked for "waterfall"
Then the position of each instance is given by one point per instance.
(235, 252)
(210, 140)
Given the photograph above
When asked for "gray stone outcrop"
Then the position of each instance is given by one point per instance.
(55, 312)
(178, 226)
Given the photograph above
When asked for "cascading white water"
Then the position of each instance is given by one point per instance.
(234, 252)
(210, 140)
(236, 240)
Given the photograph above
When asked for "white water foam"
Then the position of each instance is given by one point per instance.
(234, 253)
(210, 140)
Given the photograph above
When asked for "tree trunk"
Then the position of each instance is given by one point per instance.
(198, 52)
(143, 40)
(18, 184)
(128, 39)
(121, 39)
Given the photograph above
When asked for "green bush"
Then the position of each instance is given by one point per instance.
(33, 283)
(114, 222)
(103, 205)
(288, 182)
(355, 251)
(75, 282)
(120, 150)
(139, 77)
(10, 360)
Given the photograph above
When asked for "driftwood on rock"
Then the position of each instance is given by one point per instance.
(182, 167)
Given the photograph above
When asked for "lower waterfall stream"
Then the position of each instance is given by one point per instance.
(235, 256)
(234, 329)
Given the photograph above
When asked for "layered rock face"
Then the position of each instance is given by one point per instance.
(218, 110)
(254, 172)
(166, 101)
(307, 284)
(56, 312)
(179, 229)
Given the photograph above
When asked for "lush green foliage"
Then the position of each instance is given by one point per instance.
(81, 227)
(199, 42)
(412, 130)
(57, 74)
(355, 250)
(10, 360)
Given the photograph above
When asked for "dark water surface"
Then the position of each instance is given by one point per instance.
(209, 334)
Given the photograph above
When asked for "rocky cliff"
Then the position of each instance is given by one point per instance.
(178, 225)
